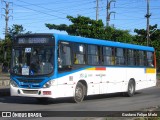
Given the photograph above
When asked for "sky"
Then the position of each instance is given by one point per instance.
(33, 14)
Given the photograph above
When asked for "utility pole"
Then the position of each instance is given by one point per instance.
(6, 15)
(148, 15)
(108, 11)
(97, 9)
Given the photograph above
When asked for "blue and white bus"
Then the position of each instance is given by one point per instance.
(54, 66)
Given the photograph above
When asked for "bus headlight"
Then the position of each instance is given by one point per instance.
(49, 84)
(13, 83)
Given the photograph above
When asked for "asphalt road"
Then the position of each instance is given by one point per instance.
(112, 102)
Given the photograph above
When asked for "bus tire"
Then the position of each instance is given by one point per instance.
(79, 92)
(131, 88)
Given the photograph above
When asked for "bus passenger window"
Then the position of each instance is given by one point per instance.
(150, 59)
(93, 57)
(79, 53)
(64, 56)
(131, 57)
(120, 56)
(79, 59)
(141, 58)
(108, 58)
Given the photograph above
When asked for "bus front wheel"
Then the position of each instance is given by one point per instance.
(79, 92)
(131, 88)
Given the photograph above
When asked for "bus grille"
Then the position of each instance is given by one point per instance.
(30, 91)
(30, 80)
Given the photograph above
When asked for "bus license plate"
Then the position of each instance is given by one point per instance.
(46, 92)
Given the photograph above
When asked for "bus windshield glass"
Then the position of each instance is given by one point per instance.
(32, 60)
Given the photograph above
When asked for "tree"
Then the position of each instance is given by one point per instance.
(140, 38)
(5, 48)
(1, 51)
(86, 27)
(81, 26)
(15, 30)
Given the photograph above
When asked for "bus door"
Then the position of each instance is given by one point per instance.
(93, 81)
(64, 66)
(103, 81)
(115, 78)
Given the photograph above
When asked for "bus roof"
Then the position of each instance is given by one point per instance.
(102, 42)
(34, 34)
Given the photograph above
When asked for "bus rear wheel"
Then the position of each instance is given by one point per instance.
(131, 88)
(79, 92)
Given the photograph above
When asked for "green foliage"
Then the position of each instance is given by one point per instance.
(15, 30)
(86, 27)
(1, 51)
(5, 45)
(141, 37)
(148, 118)
(154, 41)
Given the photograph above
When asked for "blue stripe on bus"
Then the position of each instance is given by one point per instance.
(101, 42)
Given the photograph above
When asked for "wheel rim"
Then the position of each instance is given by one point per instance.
(131, 88)
(78, 93)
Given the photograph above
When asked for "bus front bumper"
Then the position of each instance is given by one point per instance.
(42, 92)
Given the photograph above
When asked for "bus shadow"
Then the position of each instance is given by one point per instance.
(33, 101)
(108, 96)
(27, 100)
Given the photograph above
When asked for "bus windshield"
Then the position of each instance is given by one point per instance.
(35, 60)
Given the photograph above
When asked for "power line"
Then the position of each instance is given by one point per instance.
(40, 11)
(43, 8)
(34, 9)
(77, 5)
(39, 7)
(78, 8)
(56, 3)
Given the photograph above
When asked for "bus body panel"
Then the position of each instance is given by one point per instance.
(101, 81)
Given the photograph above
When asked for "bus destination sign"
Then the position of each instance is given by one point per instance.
(33, 40)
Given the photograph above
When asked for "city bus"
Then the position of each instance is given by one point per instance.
(58, 66)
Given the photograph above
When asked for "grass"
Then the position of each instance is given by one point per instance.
(148, 118)
(158, 76)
